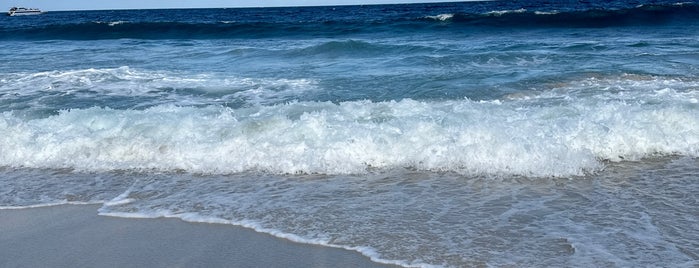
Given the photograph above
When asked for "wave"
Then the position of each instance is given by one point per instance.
(355, 49)
(441, 17)
(111, 23)
(144, 30)
(642, 15)
(369, 252)
(516, 137)
(503, 12)
(329, 26)
(90, 86)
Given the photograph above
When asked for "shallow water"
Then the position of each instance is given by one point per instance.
(632, 213)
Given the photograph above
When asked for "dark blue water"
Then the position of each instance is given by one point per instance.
(523, 133)
(347, 21)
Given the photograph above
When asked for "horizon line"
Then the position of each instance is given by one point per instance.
(271, 6)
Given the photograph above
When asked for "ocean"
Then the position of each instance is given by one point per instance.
(474, 134)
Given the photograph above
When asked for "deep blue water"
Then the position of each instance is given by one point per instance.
(524, 133)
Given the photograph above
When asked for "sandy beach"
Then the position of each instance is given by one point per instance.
(75, 236)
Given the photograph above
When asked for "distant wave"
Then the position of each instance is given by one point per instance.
(352, 48)
(111, 23)
(503, 12)
(441, 17)
(142, 30)
(639, 15)
(223, 29)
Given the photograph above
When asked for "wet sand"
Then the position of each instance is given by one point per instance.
(75, 236)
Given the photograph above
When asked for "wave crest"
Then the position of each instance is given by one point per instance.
(634, 16)
(441, 17)
(496, 138)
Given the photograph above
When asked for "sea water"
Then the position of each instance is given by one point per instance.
(499, 133)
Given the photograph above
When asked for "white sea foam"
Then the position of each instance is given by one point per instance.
(120, 200)
(503, 12)
(126, 81)
(41, 205)
(546, 12)
(253, 225)
(557, 133)
(444, 219)
(683, 3)
(442, 17)
(111, 23)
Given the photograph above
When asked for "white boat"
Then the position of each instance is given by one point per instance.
(21, 11)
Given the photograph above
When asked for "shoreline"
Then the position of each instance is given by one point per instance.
(76, 236)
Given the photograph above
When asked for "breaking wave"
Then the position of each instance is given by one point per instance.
(464, 136)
